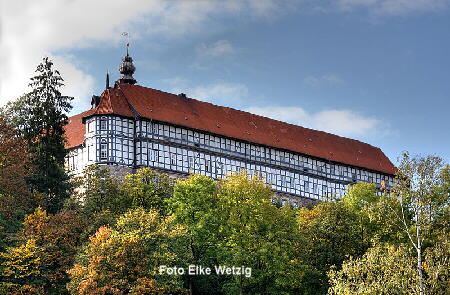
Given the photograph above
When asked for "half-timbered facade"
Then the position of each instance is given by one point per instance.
(131, 126)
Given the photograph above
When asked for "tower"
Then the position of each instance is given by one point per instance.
(127, 70)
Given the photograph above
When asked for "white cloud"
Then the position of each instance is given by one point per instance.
(218, 48)
(340, 122)
(395, 7)
(32, 29)
(222, 93)
(328, 79)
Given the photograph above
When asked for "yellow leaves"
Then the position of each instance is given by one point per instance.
(36, 222)
(23, 261)
(102, 234)
(121, 259)
(384, 269)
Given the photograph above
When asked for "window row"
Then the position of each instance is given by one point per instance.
(189, 161)
(257, 153)
(108, 124)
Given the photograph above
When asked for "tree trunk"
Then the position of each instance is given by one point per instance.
(419, 257)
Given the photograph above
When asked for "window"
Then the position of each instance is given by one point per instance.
(103, 124)
(219, 167)
(191, 162)
(155, 129)
(154, 156)
(103, 150)
(332, 169)
(196, 139)
(319, 167)
(324, 191)
(173, 159)
(208, 165)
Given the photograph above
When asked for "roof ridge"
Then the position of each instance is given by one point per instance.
(261, 116)
(133, 110)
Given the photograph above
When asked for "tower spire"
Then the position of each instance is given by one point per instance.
(127, 70)
(107, 80)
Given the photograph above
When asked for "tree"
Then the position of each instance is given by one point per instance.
(126, 258)
(46, 250)
(194, 206)
(15, 198)
(40, 116)
(14, 162)
(148, 189)
(421, 188)
(97, 191)
(255, 233)
(23, 269)
(329, 234)
(411, 250)
(384, 269)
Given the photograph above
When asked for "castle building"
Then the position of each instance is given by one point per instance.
(131, 126)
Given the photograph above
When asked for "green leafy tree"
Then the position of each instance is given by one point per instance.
(368, 207)
(148, 189)
(255, 233)
(411, 254)
(97, 191)
(126, 259)
(194, 206)
(421, 188)
(40, 115)
(329, 234)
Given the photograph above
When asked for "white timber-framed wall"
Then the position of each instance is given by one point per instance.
(136, 143)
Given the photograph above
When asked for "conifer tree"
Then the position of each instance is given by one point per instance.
(40, 115)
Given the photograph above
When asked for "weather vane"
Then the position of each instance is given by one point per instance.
(127, 38)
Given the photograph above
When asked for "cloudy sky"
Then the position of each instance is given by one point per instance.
(373, 70)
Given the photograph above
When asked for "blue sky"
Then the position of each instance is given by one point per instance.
(373, 70)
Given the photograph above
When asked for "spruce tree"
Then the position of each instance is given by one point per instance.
(40, 117)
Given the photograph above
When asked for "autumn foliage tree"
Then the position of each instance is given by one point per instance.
(125, 259)
(14, 162)
(46, 250)
(15, 198)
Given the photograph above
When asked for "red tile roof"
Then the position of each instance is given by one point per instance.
(75, 129)
(127, 100)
